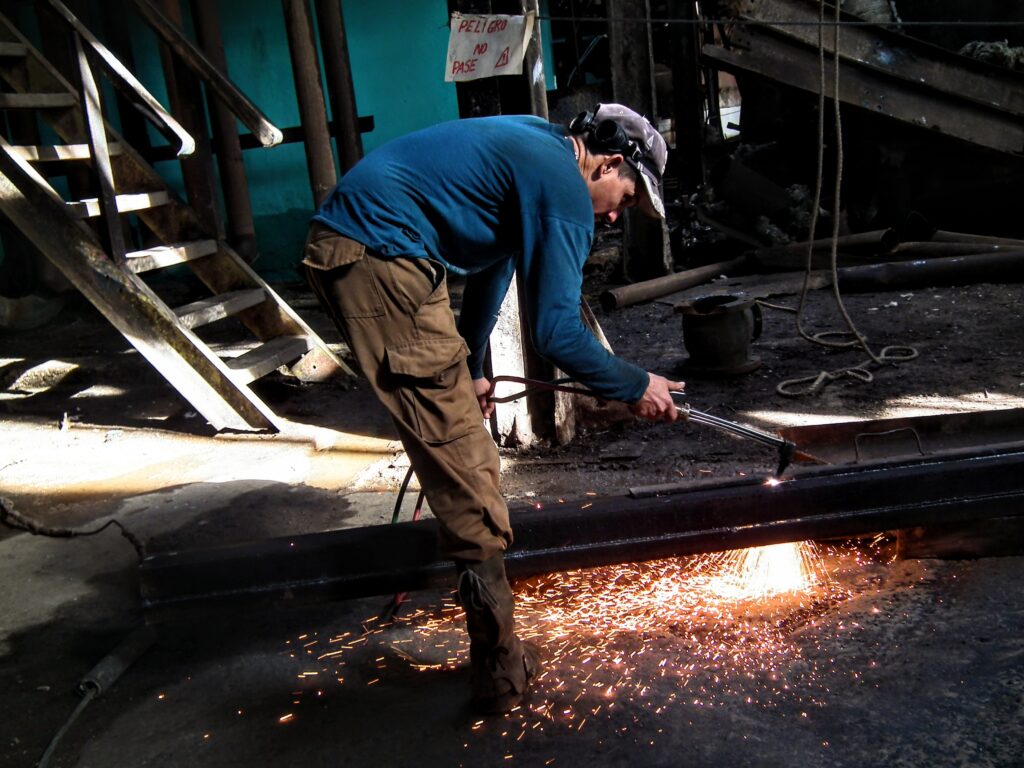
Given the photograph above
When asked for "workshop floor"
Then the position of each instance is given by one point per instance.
(880, 662)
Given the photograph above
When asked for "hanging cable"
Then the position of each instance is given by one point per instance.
(890, 354)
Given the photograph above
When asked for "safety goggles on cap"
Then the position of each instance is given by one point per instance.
(615, 129)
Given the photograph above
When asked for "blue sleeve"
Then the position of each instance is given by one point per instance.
(481, 301)
(554, 251)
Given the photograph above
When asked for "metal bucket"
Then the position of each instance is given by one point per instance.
(717, 332)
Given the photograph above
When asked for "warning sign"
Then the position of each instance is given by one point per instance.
(483, 46)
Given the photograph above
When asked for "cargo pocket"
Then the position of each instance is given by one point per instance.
(346, 260)
(433, 386)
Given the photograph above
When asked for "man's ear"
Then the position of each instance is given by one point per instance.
(612, 163)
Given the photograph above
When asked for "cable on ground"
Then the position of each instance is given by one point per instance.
(18, 522)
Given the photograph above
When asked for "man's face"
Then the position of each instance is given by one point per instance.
(611, 193)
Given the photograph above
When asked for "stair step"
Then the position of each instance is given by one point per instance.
(209, 310)
(268, 357)
(13, 50)
(59, 152)
(168, 255)
(37, 100)
(90, 207)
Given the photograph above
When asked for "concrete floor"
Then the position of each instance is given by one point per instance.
(881, 662)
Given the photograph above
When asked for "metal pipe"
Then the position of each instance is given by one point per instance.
(649, 523)
(337, 66)
(186, 98)
(312, 109)
(234, 185)
(877, 241)
(692, 414)
(950, 270)
(533, 63)
(942, 236)
(933, 249)
(662, 286)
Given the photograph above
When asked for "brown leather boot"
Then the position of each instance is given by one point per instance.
(502, 665)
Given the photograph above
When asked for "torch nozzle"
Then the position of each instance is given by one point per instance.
(786, 452)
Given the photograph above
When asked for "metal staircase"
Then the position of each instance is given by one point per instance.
(135, 225)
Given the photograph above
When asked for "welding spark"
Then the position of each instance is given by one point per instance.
(766, 571)
(711, 629)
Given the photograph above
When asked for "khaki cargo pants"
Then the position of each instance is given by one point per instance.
(396, 317)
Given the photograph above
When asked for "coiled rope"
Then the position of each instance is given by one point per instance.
(810, 385)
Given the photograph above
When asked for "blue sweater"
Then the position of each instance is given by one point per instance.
(484, 196)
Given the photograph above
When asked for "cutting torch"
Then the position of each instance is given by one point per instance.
(787, 450)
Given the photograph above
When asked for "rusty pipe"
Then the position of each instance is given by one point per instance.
(646, 290)
(877, 241)
(1005, 266)
(942, 236)
(931, 249)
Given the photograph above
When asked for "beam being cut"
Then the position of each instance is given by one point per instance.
(647, 524)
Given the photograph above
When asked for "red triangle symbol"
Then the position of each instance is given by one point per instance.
(503, 59)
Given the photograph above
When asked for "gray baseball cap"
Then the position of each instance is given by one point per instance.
(652, 155)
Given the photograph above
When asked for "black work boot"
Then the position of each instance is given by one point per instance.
(502, 664)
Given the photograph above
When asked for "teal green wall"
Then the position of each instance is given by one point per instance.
(397, 49)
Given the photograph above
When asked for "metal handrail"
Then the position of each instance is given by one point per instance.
(227, 92)
(128, 84)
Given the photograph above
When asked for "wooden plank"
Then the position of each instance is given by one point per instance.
(12, 50)
(90, 207)
(37, 100)
(214, 308)
(59, 152)
(268, 357)
(169, 255)
(103, 175)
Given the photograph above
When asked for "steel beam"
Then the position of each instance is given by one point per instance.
(649, 523)
(883, 72)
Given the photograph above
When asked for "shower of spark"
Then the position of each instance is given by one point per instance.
(701, 631)
(767, 571)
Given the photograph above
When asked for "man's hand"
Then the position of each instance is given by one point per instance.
(482, 387)
(657, 403)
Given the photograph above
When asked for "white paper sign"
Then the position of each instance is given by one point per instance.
(483, 46)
